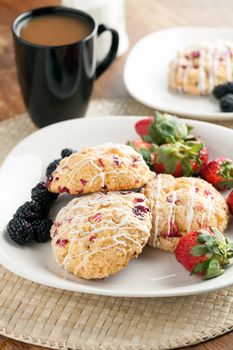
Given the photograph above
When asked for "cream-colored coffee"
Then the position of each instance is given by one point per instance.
(54, 29)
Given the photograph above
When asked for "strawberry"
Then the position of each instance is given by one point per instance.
(162, 128)
(219, 173)
(180, 158)
(146, 149)
(139, 144)
(230, 202)
(142, 126)
(203, 156)
(204, 252)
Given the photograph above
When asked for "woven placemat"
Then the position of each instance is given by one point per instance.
(59, 319)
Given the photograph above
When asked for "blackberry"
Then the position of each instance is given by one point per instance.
(220, 91)
(52, 166)
(41, 229)
(42, 196)
(20, 231)
(223, 89)
(66, 152)
(30, 211)
(226, 103)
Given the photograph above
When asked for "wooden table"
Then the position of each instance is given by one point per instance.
(143, 17)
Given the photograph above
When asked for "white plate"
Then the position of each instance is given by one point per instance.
(146, 72)
(154, 273)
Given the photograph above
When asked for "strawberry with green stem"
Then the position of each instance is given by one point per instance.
(143, 125)
(219, 173)
(163, 128)
(173, 150)
(180, 158)
(204, 252)
(177, 159)
(146, 149)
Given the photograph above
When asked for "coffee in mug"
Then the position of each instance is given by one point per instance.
(55, 29)
(55, 53)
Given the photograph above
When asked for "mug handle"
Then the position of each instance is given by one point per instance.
(112, 52)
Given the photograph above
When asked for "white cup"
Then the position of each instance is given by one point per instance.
(109, 12)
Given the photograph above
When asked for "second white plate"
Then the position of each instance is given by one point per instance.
(146, 72)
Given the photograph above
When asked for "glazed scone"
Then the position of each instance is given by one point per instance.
(181, 205)
(103, 168)
(197, 70)
(95, 236)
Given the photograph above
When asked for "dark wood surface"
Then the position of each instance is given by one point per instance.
(143, 17)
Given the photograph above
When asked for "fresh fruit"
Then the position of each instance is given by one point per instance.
(30, 220)
(139, 144)
(146, 149)
(223, 89)
(180, 158)
(219, 173)
(163, 128)
(226, 103)
(204, 252)
(66, 152)
(140, 210)
(142, 126)
(203, 156)
(29, 211)
(41, 230)
(230, 202)
(168, 147)
(20, 231)
(42, 196)
(52, 166)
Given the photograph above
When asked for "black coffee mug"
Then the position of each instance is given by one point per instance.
(57, 81)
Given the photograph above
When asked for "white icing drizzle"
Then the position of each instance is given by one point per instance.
(157, 204)
(202, 76)
(229, 66)
(117, 218)
(179, 74)
(162, 277)
(213, 61)
(171, 215)
(103, 174)
(211, 70)
(190, 212)
(99, 152)
(215, 67)
(186, 76)
(207, 213)
(209, 206)
(173, 74)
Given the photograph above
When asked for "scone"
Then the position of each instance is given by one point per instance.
(103, 168)
(181, 205)
(197, 70)
(95, 236)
